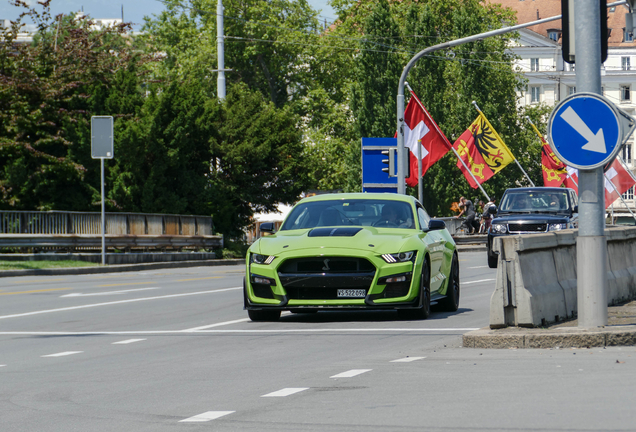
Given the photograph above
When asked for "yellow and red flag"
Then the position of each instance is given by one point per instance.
(466, 147)
(554, 171)
(492, 148)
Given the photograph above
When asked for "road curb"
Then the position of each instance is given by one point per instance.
(563, 337)
(119, 268)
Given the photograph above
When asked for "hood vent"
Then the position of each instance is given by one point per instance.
(334, 232)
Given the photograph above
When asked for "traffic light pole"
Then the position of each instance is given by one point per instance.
(591, 243)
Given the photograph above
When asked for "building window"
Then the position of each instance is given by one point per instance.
(628, 36)
(629, 194)
(626, 153)
(554, 35)
(625, 63)
(534, 65)
(625, 91)
(535, 94)
(571, 67)
(571, 90)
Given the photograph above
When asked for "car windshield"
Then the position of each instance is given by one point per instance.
(358, 212)
(533, 201)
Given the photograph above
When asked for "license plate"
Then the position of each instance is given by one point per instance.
(356, 293)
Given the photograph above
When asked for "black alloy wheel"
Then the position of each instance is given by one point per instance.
(424, 311)
(451, 302)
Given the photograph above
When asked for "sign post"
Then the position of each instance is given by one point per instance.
(586, 131)
(102, 148)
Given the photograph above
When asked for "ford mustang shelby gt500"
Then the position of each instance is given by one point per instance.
(353, 251)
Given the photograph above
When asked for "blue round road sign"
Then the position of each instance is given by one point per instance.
(584, 131)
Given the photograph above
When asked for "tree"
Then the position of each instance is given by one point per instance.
(48, 92)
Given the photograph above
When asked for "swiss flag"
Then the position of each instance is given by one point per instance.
(420, 126)
(572, 179)
(622, 179)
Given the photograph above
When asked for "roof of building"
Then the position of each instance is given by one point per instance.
(532, 10)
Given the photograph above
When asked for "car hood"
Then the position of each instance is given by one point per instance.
(381, 240)
(531, 218)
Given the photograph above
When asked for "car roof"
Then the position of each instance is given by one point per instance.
(349, 196)
(539, 189)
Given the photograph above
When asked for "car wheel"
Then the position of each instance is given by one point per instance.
(492, 259)
(263, 315)
(451, 302)
(424, 311)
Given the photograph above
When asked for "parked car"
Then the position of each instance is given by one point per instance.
(532, 210)
(353, 251)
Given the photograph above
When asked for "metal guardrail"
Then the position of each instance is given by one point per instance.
(61, 222)
(82, 230)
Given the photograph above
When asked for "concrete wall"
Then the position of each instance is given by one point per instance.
(536, 276)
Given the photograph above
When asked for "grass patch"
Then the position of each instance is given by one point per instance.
(26, 265)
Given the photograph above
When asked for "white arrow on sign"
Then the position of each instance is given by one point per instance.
(595, 141)
(107, 293)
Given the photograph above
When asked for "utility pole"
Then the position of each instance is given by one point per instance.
(591, 243)
(220, 50)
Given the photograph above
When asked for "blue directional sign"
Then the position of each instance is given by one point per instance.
(586, 130)
(373, 178)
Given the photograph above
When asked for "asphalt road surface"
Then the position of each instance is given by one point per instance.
(172, 350)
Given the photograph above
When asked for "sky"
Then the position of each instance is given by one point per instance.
(134, 10)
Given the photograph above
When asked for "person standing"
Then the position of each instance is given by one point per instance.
(469, 209)
(487, 216)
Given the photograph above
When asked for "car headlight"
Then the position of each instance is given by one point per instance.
(557, 226)
(261, 259)
(498, 228)
(398, 257)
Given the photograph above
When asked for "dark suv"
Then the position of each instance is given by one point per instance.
(532, 210)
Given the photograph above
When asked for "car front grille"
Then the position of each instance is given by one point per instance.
(530, 227)
(320, 278)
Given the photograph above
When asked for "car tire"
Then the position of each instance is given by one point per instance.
(451, 302)
(424, 311)
(492, 259)
(263, 315)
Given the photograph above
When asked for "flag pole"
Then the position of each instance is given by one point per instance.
(516, 161)
(419, 180)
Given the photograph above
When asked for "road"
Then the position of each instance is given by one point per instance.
(173, 350)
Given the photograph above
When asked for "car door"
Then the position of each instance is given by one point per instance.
(436, 244)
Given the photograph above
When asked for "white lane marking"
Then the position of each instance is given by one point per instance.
(175, 332)
(207, 416)
(117, 302)
(286, 392)
(62, 354)
(351, 373)
(107, 293)
(2, 365)
(128, 341)
(194, 329)
(478, 281)
(407, 359)
(478, 267)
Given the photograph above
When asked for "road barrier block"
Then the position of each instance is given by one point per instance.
(536, 276)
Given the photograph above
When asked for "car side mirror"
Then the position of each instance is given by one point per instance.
(436, 224)
(267, 227)
(492, 210)
(576, 209)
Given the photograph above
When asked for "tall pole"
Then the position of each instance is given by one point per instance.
(103, 216)
(591, 243)
(220, 50)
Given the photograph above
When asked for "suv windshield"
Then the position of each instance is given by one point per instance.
(530, 201)
(378, 213)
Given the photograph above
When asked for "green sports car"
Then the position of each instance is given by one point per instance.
(353, 251)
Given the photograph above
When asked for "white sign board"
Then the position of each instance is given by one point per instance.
(102, 137)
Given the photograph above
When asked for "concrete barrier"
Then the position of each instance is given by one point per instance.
(536, 276)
